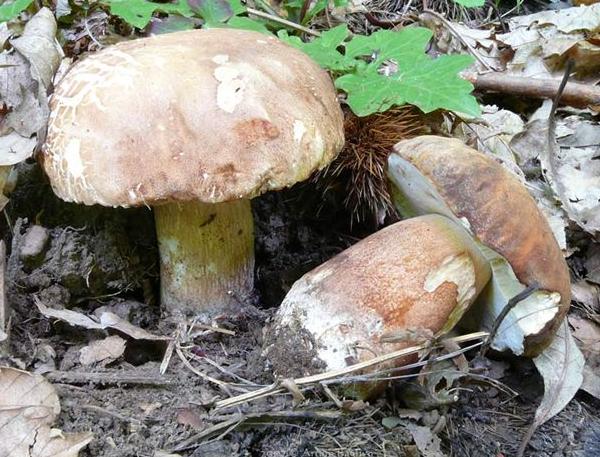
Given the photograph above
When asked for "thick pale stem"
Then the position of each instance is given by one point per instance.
(206, 255)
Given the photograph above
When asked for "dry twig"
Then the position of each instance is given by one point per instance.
(276, 387)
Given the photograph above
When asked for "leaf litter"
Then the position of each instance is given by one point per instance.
(29, 406)
(497, 139)
(26, 72)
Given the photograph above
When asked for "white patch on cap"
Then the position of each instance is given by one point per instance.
(72, 158)
(456, 269)
(339, 329)
(231, 90)
(299, 130)
(220, 59)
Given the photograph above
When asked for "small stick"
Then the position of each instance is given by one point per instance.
(383, 23)
(270, 17)
(276, 388)
(223, 385)
(575, 94)
(211, 328)
(458, 36)
(514, 301)
(105, 378)
(225, 426)
(229, 422)
(304, 10)
(286, 414)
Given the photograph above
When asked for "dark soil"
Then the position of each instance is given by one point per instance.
(89, 258)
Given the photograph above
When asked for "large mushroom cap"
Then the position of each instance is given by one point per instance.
(210, 115)
(445, 176)
(417, 275)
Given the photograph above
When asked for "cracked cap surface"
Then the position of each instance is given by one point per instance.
(211, 115)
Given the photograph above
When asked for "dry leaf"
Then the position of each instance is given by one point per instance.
(561, 367)
(544, 41)
(587, 335)
(105, 351)
(28, 408)
(592, 264)
(591, 382)
(572, 172)
(427, 443)
(588, 295)
(455, 38)
(26, 73)
(107, 320)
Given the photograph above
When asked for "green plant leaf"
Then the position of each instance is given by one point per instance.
(427, 84)
(212, 11)
(12, 9)
(408, 45)
(139, 12)
(245, 23)
(470, 3)
(324, 49)
(391, 68)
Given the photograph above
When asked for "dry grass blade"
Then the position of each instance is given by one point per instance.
(329, 375)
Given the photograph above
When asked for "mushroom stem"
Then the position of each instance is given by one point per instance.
(206, 255)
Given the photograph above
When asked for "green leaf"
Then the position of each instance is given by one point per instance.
(139, 12)
(245, 23)
(427, 84)
(212, 11)
(470, 3)
(391, 68)
(324, 49)
(237, 7)
(319, 6)
(407, 45)
(12, 9)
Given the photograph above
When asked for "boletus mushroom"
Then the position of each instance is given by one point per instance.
(414, 277)
(194, 124)
(431, 174)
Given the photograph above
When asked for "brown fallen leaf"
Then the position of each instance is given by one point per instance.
(587, 334)
(543, 41)
(102, 351)
(106, 320)
(25, 79)
(29, 406)
(428, 444)
(561, 367)
(588, 295)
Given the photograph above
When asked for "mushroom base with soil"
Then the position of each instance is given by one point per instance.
(206, 255)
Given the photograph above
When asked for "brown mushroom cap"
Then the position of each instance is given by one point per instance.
(417, 275)
(497, 207)
(211, 115)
